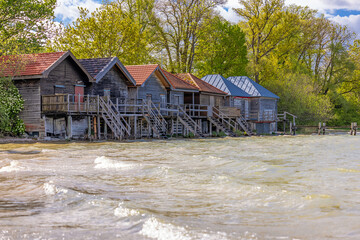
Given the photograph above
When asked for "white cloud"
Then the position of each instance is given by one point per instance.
(323, 5)
(67, 10)
(352, 21)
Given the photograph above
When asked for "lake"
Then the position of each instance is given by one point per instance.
(302, 187)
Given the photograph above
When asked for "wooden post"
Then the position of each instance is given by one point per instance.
(324, 128)
(135, 126)
(88, 103)
(355, 128)
(319, 128)
(89, 126)
(69, 126)
(98, 127)
(105, 130)
(79, 110)
(98, 104)
(68, 102)
(95, 127)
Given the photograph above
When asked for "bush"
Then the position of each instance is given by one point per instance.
(11, 104)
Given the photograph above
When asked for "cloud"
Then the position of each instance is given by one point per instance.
(67, 10)
(352, 21)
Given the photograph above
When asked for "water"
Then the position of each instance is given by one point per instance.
(304, 187)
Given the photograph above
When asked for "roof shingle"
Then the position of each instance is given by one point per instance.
(27, 64)
(177, 82)
(200, 84)
(141, 72)
(95, 65)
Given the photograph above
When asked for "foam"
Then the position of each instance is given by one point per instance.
(13, 167)
(121, 211)
(51, 189)
(152, 228)
(106, 163)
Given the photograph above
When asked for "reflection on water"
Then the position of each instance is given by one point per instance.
(303, 187)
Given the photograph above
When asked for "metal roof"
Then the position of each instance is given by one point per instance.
(225, 85)
(251, 87)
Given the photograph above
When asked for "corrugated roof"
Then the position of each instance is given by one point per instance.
(225, 85)
(27, 64)
(251, 87)
(178, 83)
(200, 84)
(141, 73)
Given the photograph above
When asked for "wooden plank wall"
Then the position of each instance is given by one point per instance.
(176, 93)
(31, 115)
(113, 80)
(67, 74)
(154, 87)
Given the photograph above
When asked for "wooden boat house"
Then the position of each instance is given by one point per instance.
(59, 75)
(102, 99)
(263, 105)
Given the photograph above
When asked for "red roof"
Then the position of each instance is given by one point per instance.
(177, 82)
(141, 72)
(27, 64)
(200, 84)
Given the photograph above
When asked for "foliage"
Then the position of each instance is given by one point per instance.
(11, 104)
(118, 28)
(24, 25)
(221, 50)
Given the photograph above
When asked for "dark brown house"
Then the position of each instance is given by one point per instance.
(111, 78)
(37, 75)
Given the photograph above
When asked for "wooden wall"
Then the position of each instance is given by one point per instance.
(31, 115)
(173, 94)
(154, 87)
(113, 80)
(67, 74)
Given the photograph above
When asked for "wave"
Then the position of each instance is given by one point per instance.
(106, 163)
(13, 167)
(152, 228)
(121, 211)
(51, 189)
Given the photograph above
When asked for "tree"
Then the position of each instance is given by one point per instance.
(116, 29)
(221, 49)
(267, 23)
(178, 25)
(24, 25)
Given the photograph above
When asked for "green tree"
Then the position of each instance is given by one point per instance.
(178, 25)
(221, 49)
(24, 25)
(116, 29)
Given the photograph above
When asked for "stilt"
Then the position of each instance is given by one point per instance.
(69, 126)
(105, 130)
(98, 127)
(135, 126)
(89, 127)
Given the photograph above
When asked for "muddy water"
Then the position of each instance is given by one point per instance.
(304, 187)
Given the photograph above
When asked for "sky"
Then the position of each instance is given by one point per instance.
(345, 12)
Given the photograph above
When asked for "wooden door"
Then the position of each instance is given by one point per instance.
(79, 90)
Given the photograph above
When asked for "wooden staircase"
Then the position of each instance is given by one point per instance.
(113, 119)
(223, 122)
(189, 123)
(153, 116)
(243, 124)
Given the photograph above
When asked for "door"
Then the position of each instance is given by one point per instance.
(246, 109)
(212, 101)
(79, 90)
